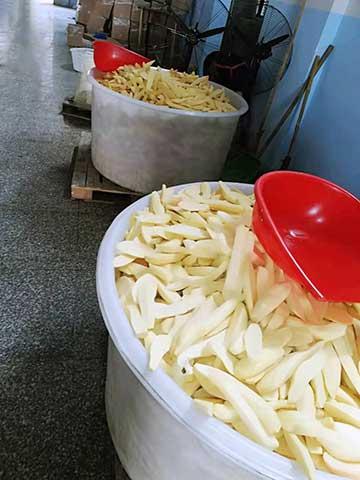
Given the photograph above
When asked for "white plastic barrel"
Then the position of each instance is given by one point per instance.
(78, 55)
(157, 431)
(141, 146)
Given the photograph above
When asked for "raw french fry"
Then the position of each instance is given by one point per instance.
(208, 249)
(345, 396)
(342, 442)
(308, 370)
(201, 325)
(144, 293)
(295, 422)
(319, 389)
(167, 88)
(263, 281)
(298, 302)
(278, 318)
(282, 405)
(343, 412)
(306, 403)
(301, 337)
(193, 327)
(159, 347)
(344, 469)
(253, 341)
(277, 338)
(164, 258)
(284, 370)
(186, 231)
(338, 313)
(241, 249)
(247, 367)
(122, 260)
(250, 346)
(328, 332)
(138, 322)
(153, 219)
(332, 371)
(249, 287)
(201, 349)
(133, 248)
(273, 298)
(124, 287)
(185, 305)
(225, 412)
(313, 446)
(225, 206)
(344, 354)
(221, 384)
(301, 454)
(220, 351)
(235, 333)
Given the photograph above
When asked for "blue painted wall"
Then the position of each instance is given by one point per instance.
(307, 40)
(329, 141)
(329, 144)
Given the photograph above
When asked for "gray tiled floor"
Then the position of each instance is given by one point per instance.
(52, 338)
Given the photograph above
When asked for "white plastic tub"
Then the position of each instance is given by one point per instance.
(77, 55)
(141, 146)
(157, 431)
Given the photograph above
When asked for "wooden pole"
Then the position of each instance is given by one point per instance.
(314, 69)
(296, 100)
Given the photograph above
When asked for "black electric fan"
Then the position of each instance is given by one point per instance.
(241, 47)
(178, 34)
(253, 48)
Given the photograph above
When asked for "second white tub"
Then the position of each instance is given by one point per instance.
(142, 146)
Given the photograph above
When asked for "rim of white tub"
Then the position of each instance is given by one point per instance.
(244, 107)
(213, 432)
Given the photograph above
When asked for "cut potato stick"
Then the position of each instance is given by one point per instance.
(221, 384)
(301, 454)
(308, 370)
(344, 469)
(273, 298)
(249, 345)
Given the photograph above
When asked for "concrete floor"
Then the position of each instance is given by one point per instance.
(52, 338)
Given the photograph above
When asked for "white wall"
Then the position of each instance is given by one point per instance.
(329, 143)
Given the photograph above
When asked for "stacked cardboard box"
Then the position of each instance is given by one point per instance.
(99, 15)
(84, 9)
(134, 14)
(75, 35)
(121, 15)
(93, 14)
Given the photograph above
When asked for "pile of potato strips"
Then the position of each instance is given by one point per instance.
(249, 345)
(168, 88)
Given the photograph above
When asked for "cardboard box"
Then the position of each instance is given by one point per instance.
(84, 11)
(122, 14)
(103, 8)
(123, 9)
(75, 35)
(120, 29)
(96, 23)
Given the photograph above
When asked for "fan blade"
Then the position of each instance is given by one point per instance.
(275, 41)
(211, 33)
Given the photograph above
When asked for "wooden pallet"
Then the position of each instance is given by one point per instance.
(76, 111)
(88, 184)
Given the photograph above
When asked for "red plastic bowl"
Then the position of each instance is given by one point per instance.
(310, 227)
(109, 57)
